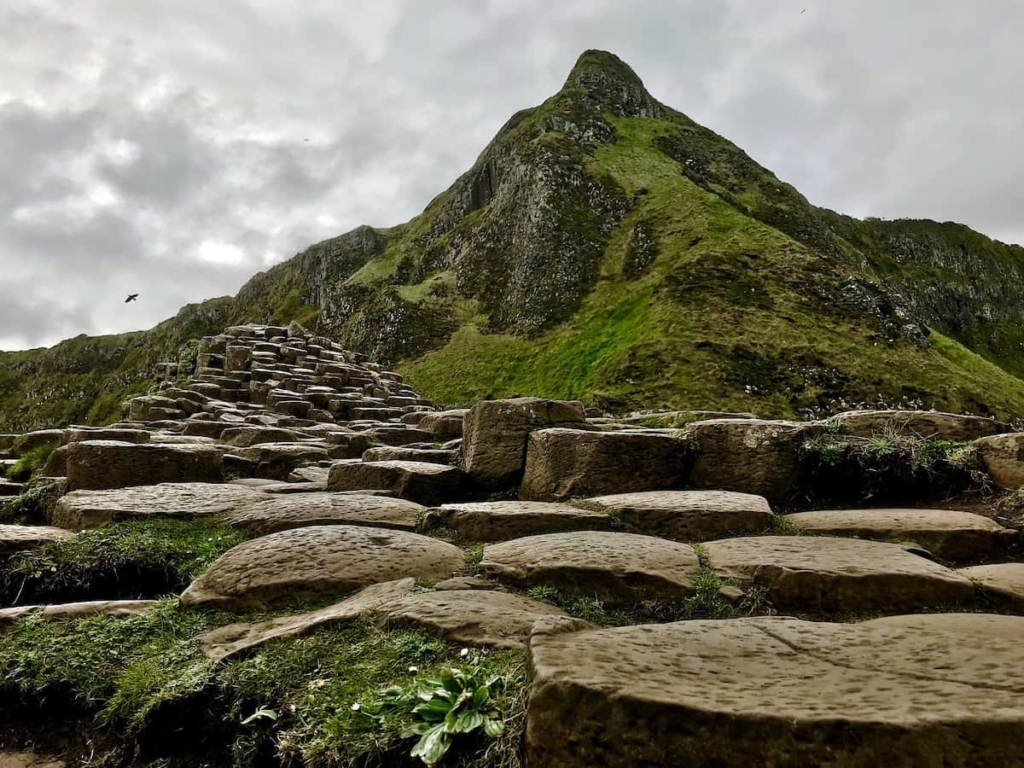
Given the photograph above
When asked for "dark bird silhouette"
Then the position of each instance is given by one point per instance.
(804, 11)
(131, 297)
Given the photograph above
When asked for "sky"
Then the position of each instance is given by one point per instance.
(175, 149)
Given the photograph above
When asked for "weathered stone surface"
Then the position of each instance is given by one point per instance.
(475, 617)
(946, 533)
(204, 428)
(30, 440)
(154, 408)
(18, 538)
(90, 509)
(1004, 458)
(564, 463)
(23, 759)
(504, 520)
(57, 463)
(466, 582)
(907, 691)
(78, 434)
(279, 512)
(416, 481)
(431, 456)
(278, 460)
(613, 567)
(400, 436)
(687, 515)
(749, 455)
(496, 431)
(295, 566)
(99, 464)
(249, 435)
(349, 445)
(823, 574)
(230, 640)
(444, 425)
(931, 425)
(1004, 580)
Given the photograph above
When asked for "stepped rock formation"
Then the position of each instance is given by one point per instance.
(636, 573)
(606, 247)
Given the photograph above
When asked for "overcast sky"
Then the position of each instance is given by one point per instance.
(174, 149)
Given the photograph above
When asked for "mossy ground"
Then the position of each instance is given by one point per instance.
(143, 677)
(727, 316)
(131, 559)
(31, 462)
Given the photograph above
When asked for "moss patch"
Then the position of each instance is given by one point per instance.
(144, 678)
(132, 559)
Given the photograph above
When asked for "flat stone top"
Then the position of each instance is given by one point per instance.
(261, 451)
(80, 509)
(684, 501)
(142, 447)
(295, 565)
(412, 467)
(894, 520)
(271, 512)
(901, 671)
(477, 617)
(502, 508)
(742, 557)
(605, 555)
(1007, 578)
(15, 538)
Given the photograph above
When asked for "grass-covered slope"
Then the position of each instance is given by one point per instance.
(728, 312)
(606, 247)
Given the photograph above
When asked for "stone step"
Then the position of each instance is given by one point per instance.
(819, 574)
(904, 691)
(99, 464)
(564, 463)
(504, 520)
(687, 515)
(20, 538)
(947, 534)
(1004, 582)
(306, 564)
(9, 488)
(615, 568)
(418, 481)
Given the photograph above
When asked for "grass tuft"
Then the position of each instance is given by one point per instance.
(131, 559)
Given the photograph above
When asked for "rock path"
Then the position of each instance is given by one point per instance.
(354, 488)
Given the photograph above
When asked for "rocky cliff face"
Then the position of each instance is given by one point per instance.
(604, 246)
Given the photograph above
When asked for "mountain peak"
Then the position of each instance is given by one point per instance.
(612, 84)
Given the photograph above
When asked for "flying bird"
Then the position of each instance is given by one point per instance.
(131, 297)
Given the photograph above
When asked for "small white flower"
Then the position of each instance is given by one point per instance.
(356, 707)
(292, 707)
(464, 653)
(413, 670)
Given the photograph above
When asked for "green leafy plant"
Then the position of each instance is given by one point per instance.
(457, 702)
(265, 713)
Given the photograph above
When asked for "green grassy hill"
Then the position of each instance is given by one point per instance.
(606, 247)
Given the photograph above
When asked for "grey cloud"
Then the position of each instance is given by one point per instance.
(877, 107)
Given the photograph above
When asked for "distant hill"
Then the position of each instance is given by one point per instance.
(606, 247)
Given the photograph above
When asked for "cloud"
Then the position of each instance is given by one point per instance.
(174, 149)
